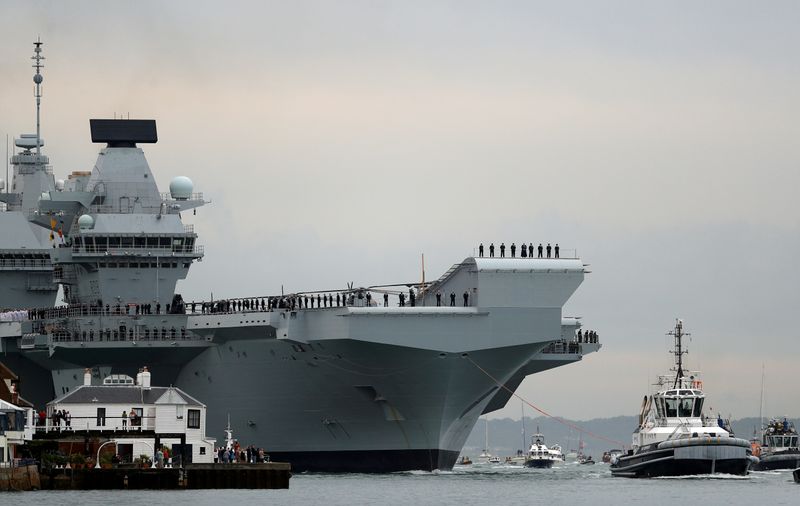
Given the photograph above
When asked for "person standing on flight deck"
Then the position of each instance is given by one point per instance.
(502, 250)
(530, 250)
(523, 251)
(480, 250)
(549, 249)
(540, 250)
(491, 250)
(556, 250)
(513, 250)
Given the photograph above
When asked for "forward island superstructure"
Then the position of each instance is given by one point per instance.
(343, 385)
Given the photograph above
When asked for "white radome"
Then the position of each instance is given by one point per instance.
(85, 222)
(181, 188)
(60, 185)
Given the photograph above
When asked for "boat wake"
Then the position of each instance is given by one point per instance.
(719, 476)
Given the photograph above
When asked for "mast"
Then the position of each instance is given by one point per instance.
(486, 441)
(37, 78)
(761, 404)
(524, 438)
(679, 352)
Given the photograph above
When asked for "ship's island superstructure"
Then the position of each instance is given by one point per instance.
(349, 386)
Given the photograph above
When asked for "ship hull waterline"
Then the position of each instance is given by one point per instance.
(690, 460)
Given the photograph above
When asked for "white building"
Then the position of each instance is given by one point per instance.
(15, 429)
(162, 415)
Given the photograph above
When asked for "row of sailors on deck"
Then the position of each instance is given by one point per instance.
(524, 251)
(590, 336)
(96, 309)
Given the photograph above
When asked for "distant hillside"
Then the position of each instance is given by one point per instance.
(505, 435)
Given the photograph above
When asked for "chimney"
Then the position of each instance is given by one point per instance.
(87, 377)
(145, 378)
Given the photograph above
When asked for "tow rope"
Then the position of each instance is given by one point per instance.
(540, 410)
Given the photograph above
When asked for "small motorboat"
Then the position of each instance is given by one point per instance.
(540, 456)
(464, 461)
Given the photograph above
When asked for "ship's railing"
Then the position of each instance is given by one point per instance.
(133, 334)
(562, 346)
(17, 263)
(166, 251)
(167, 197)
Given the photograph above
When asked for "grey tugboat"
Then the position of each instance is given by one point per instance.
(674, 438)
(343, 384)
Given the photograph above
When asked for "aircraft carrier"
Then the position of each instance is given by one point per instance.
(352, 385)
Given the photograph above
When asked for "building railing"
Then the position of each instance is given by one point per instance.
(94, 422)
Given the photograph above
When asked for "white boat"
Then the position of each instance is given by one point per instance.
(674, 438)
(485, 457)
(540, 456)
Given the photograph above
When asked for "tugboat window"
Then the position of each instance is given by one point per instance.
(698, 408)
(672, 406)
(686, 407)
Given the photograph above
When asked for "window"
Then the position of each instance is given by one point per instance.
(202, 450)
(698, 408)
(101, 417)
(686, 407)
(672, 407)
(193, 419)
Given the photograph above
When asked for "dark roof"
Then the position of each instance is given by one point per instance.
(120, 394)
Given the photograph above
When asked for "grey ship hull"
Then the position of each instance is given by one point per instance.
(338, 389)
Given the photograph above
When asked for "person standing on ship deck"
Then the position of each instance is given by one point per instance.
(466, 298)
(513, 250)
(530, 250)
(439, 297)
(491, 250)
(480, 250)
(556, 249)
(502, 250)
(452, 299)
(540, 250)
(549, 249)
(385, 300)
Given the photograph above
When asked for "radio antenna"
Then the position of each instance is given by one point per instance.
(37, 78)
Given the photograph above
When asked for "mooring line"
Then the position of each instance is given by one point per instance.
(545, 413)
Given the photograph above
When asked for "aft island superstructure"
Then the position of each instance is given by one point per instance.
(349, 386)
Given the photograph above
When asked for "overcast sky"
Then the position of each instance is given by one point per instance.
(340, 140)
